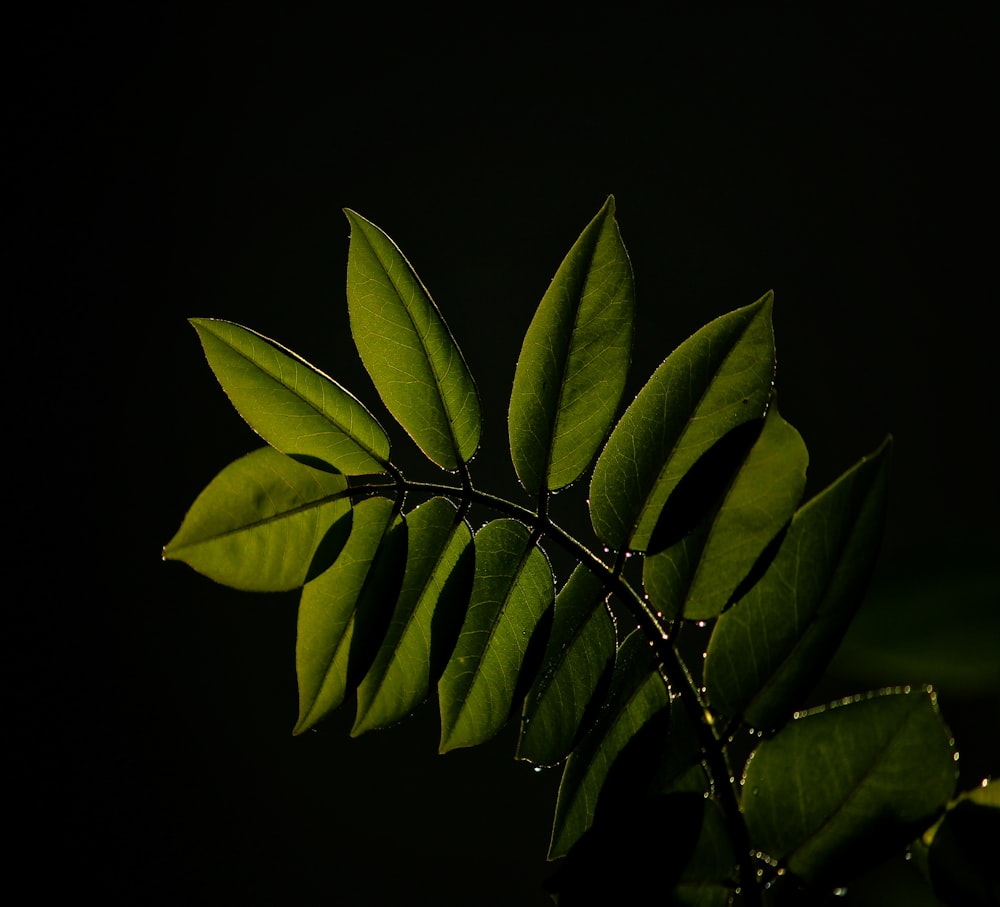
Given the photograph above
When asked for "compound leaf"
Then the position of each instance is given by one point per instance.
(260, 522)
(717, 379)
(344, 612)
(291, 404)
(850, 783)
(696, 577)
(769, 648)
(637, 695)
(437, 582)
(511, 590)
(409, 352)
(580, 652)
(573, 363)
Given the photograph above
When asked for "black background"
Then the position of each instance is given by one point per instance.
(169, 161)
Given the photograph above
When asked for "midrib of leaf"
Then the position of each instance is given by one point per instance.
(564, 366)
(274, 518)
(694, 409)
(501, 611)
(388, 271)
(345, 428)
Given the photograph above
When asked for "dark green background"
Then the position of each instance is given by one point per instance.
(174, 161)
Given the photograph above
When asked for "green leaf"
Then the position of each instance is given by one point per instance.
(767, 651)
(344, 612)
(717, 379)
(581, 650)
(259, 523)
(511, 590)
(848, 784)
(638, 695)
(958, 854)
(291, 404)
(437, 582)
(696, 577)
(573, 364)
(409, 352)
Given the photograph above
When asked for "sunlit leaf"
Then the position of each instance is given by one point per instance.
(437, 582)
(717, 379)
(409, 352)
(767, 651)
(344, 612)
(512, 589)
(581, 650)
(637, 695)
(260, 522)
(848, 784)
(696, 577)
(291, 404)
(574, 360)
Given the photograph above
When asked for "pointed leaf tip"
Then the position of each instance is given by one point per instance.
(574, 360)
(292, 405)
(408, 350)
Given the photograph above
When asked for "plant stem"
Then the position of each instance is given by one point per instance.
(661, 634)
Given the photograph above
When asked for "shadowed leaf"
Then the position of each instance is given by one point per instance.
(717, 379)
(574, 360)
(291, 404)
(259, 523)
(511, 591)
(768, 650)
(637, 695)
(696, 577)
(581, 650)
(958, 853)
(409, 352)
(344, 612)
(437, 582)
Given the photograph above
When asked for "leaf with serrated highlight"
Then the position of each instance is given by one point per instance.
(846, 785)
(511, 590)
(408, 350)
(291, 404)
(767, 651)
(572, 368)
(344, 612)
(437, 582)
(717, 379)
(260, 523)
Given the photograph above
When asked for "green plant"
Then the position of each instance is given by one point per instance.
(700, 759)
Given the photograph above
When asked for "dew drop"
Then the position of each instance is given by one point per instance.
(840, 892)
(537, 769)
(701, 623)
